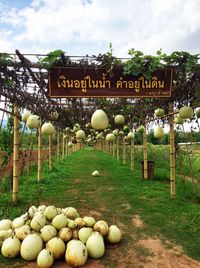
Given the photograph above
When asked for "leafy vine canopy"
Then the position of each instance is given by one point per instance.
(26, 82)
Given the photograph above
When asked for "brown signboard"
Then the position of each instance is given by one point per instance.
(92, 82)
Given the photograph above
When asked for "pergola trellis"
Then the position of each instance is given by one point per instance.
(24, 83)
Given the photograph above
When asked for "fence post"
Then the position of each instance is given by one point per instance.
(63, 146)
(124, 151)
(117, 148)
(172, 153)
(132, 154)
(50, 153)
(39, 154)
(145, 152)
(16, 154)
(58, 145)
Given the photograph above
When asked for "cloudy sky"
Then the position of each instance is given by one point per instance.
(81, 27)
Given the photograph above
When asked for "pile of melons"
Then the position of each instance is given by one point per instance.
(47, 234)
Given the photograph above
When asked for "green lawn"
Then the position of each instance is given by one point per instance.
(116, 196)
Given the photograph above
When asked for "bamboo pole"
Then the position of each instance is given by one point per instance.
(117, 148)
(58, 145)
(50, 153)
(70, 150)
(101, 145)
(110, 148)
(172, 153)
(77, 146)
(66, 146)
(39, 154)
(114, 145)
(98, 145)
(132, 154)
(145, 153)
(124, 151)
(16, 154)
(104, 145)
(63, 146)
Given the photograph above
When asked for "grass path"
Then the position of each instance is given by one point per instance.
(142, 209)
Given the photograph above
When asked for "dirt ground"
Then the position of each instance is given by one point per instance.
(149, 252)
(134, 251)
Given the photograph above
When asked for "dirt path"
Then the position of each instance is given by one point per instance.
(143, 253)
(137, 249)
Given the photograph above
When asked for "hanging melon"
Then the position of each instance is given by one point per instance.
(116, 132)
(126, 129)
(130, 136)
(25, 116)
(158, 132)
(140, 129)
(76, 127)
(80, 134)
(110, 137)
(186, 112)
(159, 112)
(47, 129)
(33, 121)
(178, 120)
(119, 119)
(99, 136)
(99, 120)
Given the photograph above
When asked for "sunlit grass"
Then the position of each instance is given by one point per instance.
(117, 195)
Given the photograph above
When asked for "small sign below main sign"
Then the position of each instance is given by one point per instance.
(89, 82)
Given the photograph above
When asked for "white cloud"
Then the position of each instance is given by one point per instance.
(80, 27)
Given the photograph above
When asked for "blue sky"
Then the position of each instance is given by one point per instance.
(82, 27)
(16, 3)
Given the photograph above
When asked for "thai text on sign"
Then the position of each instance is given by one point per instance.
(92, 82)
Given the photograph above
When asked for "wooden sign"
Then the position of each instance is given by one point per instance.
(91, 82)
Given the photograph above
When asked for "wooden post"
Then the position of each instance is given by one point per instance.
(70, 149)
(124, 151)
(110, 148)
(132, 154)
(66, 146)
(145, 152)
(63, 146)
(50, 153)
(172, 153)
(16, 142)
(117, 148)
(39, 154)
(58, 145)
(101, 145)
(104, 145)
(113, 152)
